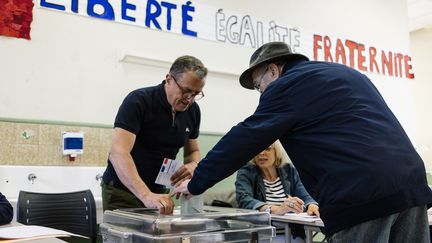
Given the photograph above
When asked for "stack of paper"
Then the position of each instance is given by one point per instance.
(302, 216)
(30, 232)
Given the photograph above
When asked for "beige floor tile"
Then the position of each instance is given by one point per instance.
(90, 155)
(105, 137)
(50, 134)
(7, 154)
(7, 131)
(27, 154)
(50, 155)
(91, 136)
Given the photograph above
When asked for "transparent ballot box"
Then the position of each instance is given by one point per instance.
(213, 225)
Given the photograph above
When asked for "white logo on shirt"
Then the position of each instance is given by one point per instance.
(187, 129)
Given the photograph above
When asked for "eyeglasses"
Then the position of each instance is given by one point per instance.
(187, 94)
(257, 84)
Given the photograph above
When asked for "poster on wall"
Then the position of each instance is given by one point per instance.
(15, 18)
(390, 70)
(216, 24)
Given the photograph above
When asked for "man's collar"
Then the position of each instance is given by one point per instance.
(163, 96)
(290, 64)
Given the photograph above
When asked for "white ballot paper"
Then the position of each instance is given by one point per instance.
(29, 232)
(302, 216)
(168, 167)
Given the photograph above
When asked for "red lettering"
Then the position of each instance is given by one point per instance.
(395, 65)
(317, 39)
(361, 57)
(387, 63)
(327, 46)
(408, 67)
(390, 64)
(398, 64)
(351, 46)
(340, 52)
(372, 61)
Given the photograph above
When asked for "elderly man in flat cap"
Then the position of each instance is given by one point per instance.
(347, 145)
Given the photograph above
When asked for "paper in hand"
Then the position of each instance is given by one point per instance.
(168, 167)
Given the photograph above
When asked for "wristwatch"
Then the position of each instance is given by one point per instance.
(268, 209)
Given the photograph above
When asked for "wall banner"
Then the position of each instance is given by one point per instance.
(221, 25)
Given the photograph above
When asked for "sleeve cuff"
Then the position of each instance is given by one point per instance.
(194, 188)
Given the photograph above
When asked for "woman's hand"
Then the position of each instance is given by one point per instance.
(294, 204)
(280, 210)
(313, 209)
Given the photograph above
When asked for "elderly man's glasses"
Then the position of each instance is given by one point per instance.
(257, 83)
(187, 94)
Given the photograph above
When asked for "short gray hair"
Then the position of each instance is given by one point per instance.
(188, 63)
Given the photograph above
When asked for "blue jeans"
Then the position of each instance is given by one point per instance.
(411, 225)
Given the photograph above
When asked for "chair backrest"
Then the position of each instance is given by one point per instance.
(74, 212)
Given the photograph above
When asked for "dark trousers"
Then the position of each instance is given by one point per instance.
(407, 226)
(114, 198)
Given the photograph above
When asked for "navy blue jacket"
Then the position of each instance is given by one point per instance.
(351, 152)
(250, 188)
(6, 210)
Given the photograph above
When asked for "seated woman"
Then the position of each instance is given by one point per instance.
(6, 210)
(268, 183)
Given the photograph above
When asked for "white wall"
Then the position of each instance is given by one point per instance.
(70, 70)
(51, 179)
(421, 48)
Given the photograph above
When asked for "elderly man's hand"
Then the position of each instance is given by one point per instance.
(313, 209)
(185, 172)
(182, 188)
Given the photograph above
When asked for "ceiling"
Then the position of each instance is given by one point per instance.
(419, 14)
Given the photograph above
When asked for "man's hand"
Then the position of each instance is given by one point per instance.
(313, 209)
(182, 188)
(185, 172)
(163, 202)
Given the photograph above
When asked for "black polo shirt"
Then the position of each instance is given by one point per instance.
(159, 134)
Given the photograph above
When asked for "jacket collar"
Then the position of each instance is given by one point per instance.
(290, 64)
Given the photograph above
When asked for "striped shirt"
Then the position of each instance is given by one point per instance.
(275, 194)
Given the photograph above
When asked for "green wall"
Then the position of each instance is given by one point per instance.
(206, 143)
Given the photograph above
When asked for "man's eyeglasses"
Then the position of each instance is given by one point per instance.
(187, 94)
(257, 83)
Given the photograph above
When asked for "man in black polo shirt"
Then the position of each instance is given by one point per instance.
(153, 123)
